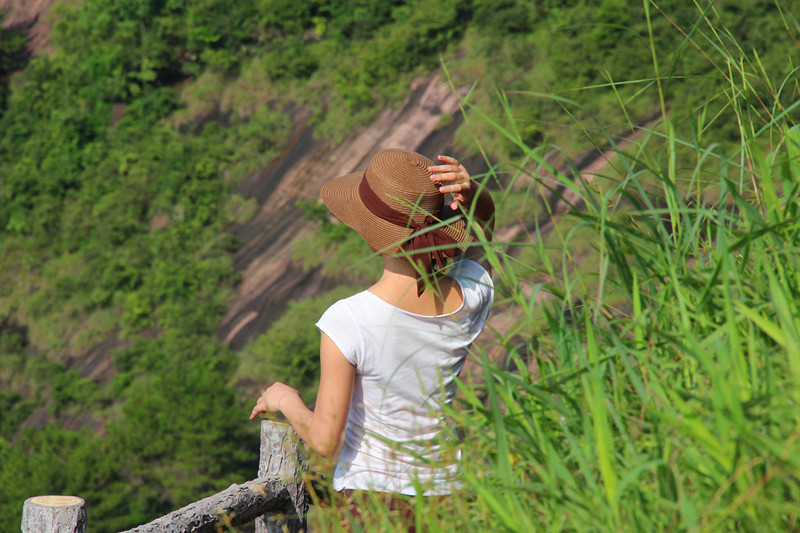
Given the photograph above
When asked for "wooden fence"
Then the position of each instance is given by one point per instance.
(276, 499)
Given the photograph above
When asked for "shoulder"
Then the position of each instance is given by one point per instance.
(468, 272)
(346, 306)
(342, 322)
(476, 283)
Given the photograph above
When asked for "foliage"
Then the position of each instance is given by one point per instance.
(29, 380)
(334, 247)
(120, 150)
(667, 398)
(422, 28)
(13, 56)
(112, 230)
(655, 388)
(603, 58)
(650, 384)
(289, 350)
(154, 447)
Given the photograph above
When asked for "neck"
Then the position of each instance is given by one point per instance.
(398, 286)
(399, 265)
(398, 273)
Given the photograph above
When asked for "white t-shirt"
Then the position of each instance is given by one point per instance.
(405, 370)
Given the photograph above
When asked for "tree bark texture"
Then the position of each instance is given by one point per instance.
(54, 514)
(236, 505)
(283, 459)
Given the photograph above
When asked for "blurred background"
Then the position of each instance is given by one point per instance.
(163, 256)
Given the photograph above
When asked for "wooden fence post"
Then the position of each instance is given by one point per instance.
(283, 459)
(54, 514)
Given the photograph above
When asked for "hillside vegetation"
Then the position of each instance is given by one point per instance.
(653, 336)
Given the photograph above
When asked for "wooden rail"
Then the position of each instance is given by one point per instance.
(276, 499)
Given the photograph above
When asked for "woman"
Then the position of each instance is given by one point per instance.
(389, 355)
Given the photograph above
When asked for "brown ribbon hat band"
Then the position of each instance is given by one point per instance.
(396, 207)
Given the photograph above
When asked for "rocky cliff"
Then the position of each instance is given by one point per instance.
(30, 16)
(270, 277)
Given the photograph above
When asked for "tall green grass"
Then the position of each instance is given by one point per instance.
(654, 386)
(666, 399)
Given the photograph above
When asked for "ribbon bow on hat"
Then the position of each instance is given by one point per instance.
(429, 247)
(387, 204)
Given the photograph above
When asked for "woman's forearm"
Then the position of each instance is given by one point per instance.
(302, 420)
(314, 433)
(454, 179)
(482, 206)
(322, 429)
(299, 416)
(285, 399)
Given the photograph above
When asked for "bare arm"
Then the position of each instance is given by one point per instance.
(323, 428)
(466, 193)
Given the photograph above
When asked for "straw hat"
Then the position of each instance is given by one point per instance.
(400, 181)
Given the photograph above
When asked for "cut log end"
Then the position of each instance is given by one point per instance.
(54, 514)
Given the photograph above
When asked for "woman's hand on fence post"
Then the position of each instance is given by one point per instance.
(270, 399)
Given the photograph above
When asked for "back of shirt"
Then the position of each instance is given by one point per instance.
(405, 370)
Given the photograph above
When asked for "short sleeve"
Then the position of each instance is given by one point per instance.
(476, 281)
(339, 324)
(478, 292)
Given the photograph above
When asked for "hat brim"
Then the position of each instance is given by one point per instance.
(341, 197)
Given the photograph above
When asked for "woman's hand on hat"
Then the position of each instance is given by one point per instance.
(453, 178)
(270, 399)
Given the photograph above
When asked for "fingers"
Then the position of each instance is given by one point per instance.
(451, 171)
(455, 187)
(439, 169)
(448, 159)
(447, 173)
(453, 178)
(257, 410)
(260, 407)
(270, 399)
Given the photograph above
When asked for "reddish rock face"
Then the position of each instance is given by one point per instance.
(270, 279)
(31, 16)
